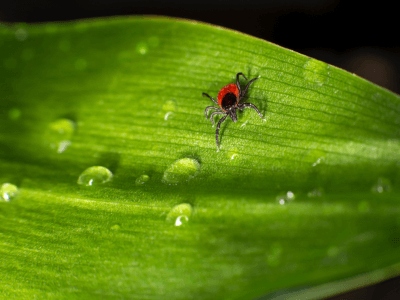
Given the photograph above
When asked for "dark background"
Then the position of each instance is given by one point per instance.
(362, 39)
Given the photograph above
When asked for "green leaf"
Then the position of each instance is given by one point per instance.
(112, 186)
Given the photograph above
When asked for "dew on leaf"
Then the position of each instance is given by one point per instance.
(142, 179)
(59, 134)
(94, 176)
(181, 170)
(142, 48)
(8, 191)
(285, 198)
(316, 71)
(180, 214)
(383, 185)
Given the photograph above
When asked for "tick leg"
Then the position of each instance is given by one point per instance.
(204, 94)
(238, 82)
(216, 113)
(247, 86)
(245, 105)
(208, 108)
(217, 132)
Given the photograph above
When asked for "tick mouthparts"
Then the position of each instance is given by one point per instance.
(233, 115)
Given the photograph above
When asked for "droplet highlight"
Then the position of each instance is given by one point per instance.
(181, 170)
(316, 71)
(180, 214)
(94, 176)
(285, 198)
(142, 179)
(382, 186)
(8, 191)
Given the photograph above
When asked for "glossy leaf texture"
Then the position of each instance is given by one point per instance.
(112, 187)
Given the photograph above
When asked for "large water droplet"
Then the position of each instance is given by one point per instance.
(181, 170)
(8, 191)
(59, 134)
(142, 179)
(94, 176)
(180, 214)
(382, 186)
(283, 199)
(316, 71)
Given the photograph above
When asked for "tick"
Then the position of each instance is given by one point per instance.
(228, 101)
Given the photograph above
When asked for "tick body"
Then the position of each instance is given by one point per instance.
(228, 101)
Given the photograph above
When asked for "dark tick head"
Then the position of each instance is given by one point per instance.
(229, 101)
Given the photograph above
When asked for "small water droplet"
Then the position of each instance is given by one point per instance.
(232, 154)
(142, 179)
(363, 207)
(316, 71)
(169, 105)
(142, 48)
(316, 157)
(382, 186)
(14, 113)
(244, 124)
(115, 227)
(21, 34)
(8, 191)
(181, 170)
(285, 198)
(27, 54)
(168, 115)
(317, 192)
(180, 214)
(59, 134)
(94, 176)
(80, 64)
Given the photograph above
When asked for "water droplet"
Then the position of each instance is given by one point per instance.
(80, 64)
(181, 170)
(142, 179)
(283, 199)
(244, 124)
(382, 186)
(94, 176)
(115, 227)
(142, 48)
(363, 207)
(232, 154)
(21, 34)
(274, 255)
(10, 63)
(170, 105)
(8, 191)
(59, 134)
(316, 71)
(180, 214)
(27, 54)
(316, 157)
(64, 45)
(317, 192)
(14, 114)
